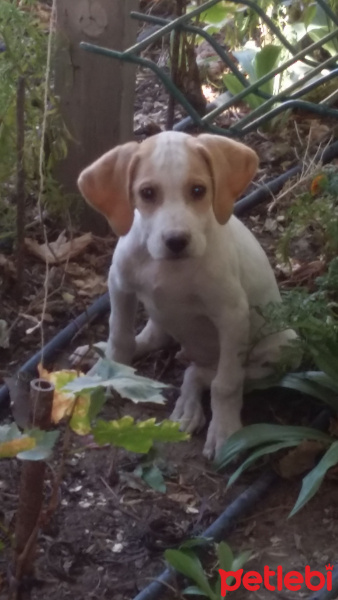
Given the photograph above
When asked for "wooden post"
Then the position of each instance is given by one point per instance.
(96, 93)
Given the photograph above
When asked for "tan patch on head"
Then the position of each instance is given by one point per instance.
(232, 166)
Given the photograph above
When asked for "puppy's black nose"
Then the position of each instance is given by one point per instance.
(177, 243)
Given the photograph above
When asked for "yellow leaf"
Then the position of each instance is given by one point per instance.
(13, 447)
(63, 402)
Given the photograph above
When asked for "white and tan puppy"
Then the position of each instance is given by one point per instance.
(197, 269)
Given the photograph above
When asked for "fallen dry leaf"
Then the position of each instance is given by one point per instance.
(300, 459)
(182, 498)
(60, 250)
(93, 286)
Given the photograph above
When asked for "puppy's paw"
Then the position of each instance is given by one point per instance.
(217, 436)
(81, 353)
(189, 414)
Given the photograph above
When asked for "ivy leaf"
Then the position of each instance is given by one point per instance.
(153, 477)
(44, 444)
(120, 377)
(30, 445)
(136, 437)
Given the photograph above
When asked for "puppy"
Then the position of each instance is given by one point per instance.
(198, 271)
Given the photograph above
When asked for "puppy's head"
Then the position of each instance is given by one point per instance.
(179, 184)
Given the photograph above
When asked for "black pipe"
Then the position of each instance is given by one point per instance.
(273, 187)
(326, 594)
(217, 530)
(235, 511)
(60, 341)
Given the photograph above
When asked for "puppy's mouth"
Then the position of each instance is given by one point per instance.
(173, 256)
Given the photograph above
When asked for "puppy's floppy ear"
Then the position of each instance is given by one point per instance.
(232, 166)
(105, 185)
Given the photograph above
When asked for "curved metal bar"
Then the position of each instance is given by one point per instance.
(144, 62)
(170, 26)
(327, 8)
(262, 109)
(319, 109)
(210, 116)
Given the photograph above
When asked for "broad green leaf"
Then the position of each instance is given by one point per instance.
(80, 422)
(313, 480)
(225, 556)
(44, 444)
(187, 563)
(246, 59)
(97, 401)
(268, 449)
(154, 478)
(267, 60)
(121, 378)
(241, 560)
(264, 433)
(235, 87)
(216, 15)
(137, 437)
(237, 563)
(14, 447)
(312, 383)
(309, 386)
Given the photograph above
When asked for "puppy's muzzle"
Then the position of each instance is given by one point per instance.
(177, 242)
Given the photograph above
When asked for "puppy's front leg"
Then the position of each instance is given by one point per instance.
(121, 343)
(227, 387)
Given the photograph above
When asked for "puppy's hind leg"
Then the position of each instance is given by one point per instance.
(188, 410)
(151, 338)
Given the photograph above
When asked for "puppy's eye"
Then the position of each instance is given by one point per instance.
(198, 191)
(148, 194)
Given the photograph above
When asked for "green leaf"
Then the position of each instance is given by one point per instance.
(137, 437)
(154, 478)
(241, 560)
(235, 87)
(326, 359)
(196, 543)
(267, 60)
(187, 563)
(97, 401)
(216, 15)
(225, 556)
(313, 480)
(193, 590)
(268, 449)
(237, 563)
(264, 433)
(87, 406)
(246, 59)
(44, 444)
(123, 379)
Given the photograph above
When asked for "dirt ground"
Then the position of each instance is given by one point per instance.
(107, 536)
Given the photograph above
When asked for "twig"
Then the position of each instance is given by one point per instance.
(20, 184)
(174, 65)
(41, 165)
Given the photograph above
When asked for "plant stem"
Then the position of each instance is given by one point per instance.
(20, 183)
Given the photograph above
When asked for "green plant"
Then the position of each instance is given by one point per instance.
(315, 212)
(255, 63)
(314, 318)
(25, 42)
(186, 562)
